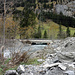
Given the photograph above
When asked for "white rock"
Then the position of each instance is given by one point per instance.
(62, 67)
(21, 69)
(51, 65)
(7, 54)
(11, 72)
(40, 60)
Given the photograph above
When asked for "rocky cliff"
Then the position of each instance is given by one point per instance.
(67, 9)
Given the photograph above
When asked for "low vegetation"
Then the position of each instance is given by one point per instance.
(13, 62)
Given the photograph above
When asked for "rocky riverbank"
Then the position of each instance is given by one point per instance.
(58, 60)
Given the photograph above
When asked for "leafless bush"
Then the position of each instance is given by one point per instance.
(18, 58)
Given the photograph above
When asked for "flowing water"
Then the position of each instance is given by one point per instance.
(29, 48)
(34, 47)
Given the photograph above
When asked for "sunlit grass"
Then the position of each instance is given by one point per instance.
(20, 8)
(52, 29)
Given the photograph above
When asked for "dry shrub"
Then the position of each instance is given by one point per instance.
(28, 42)
(18, 58)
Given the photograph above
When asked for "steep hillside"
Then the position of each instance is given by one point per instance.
(52, 29)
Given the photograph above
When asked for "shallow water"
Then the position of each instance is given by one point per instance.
(34, 47)
(29, 48)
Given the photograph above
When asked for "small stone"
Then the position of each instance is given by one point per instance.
(40, 60)
(11, 72)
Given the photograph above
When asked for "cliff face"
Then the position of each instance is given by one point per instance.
(67, 9)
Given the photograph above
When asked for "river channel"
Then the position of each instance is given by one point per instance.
(29, 48)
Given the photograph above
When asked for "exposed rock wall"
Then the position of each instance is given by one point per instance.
(67, 9)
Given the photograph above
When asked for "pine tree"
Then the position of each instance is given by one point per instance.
(60, 31)
(74, 34)
(39, 32)
(28, 17)
(45, 34)
(68, 32)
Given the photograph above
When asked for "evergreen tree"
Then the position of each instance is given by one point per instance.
(60, 31)
(74, 35)
(68, 32)
(45, 34)
(39, 32)
(28, 16)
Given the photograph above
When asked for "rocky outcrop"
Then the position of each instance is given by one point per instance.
(66, 9)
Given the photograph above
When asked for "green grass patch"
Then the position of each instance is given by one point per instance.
(32, 62)
(20, 8)
(12, 68)
(1, 71)
(7, 60)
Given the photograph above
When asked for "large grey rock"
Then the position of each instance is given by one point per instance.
(21, 69)
(52, 58)
(68, 44)
(11, 72)
(70, 48)
(69, 72)
(63, 67)
(54, 71)
(66, 56)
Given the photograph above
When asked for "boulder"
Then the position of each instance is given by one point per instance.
(21, 69)
(68, 44)
(11, 72)
(62, 67)
(66, 56)
(69, 72)
(54, 71)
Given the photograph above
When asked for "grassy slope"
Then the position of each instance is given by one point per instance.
(52, 29)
